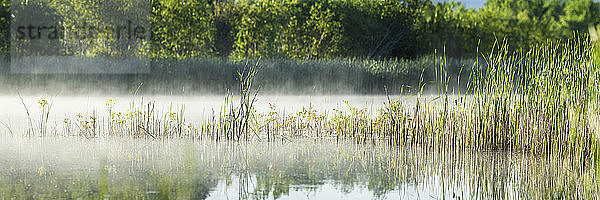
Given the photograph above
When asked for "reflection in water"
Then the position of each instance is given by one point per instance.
(150, 169)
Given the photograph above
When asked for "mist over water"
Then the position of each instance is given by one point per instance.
(196, 107)
(117, 167)
(175, 168)
(261, 99)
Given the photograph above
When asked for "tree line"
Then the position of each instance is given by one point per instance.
(322, 29)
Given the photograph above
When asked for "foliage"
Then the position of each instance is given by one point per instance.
(311, 29)
(181, 28)
(4, 26)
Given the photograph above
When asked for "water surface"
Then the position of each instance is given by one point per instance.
(120, 168)
(301, 168)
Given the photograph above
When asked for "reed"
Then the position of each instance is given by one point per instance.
(543, 102)
(201, 76)
(185, 169)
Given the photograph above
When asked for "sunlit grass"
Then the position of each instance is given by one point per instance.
(544, 101)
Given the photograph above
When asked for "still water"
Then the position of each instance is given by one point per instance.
(126, 168)
(118, 168)
(195, 106)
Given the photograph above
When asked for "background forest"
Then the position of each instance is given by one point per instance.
(331, 46)
(374, 29)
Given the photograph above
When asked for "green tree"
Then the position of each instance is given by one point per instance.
(224, 20)
(578, 15)
(449, 26)
(100, 27)
(313, 31)
(182, 28)
(522, 23)
(380, 28)
(258, 28)
(5, 26)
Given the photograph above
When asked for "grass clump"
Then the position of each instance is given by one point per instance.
(201, 76)
(542, 101)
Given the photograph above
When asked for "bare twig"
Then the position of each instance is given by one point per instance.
(8, 127)
(30, 129)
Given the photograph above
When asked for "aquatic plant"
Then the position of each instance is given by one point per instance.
(543, 102)
(201, 76)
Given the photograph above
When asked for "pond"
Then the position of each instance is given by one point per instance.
(196, 107)
(114, 167)
(118, 168)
